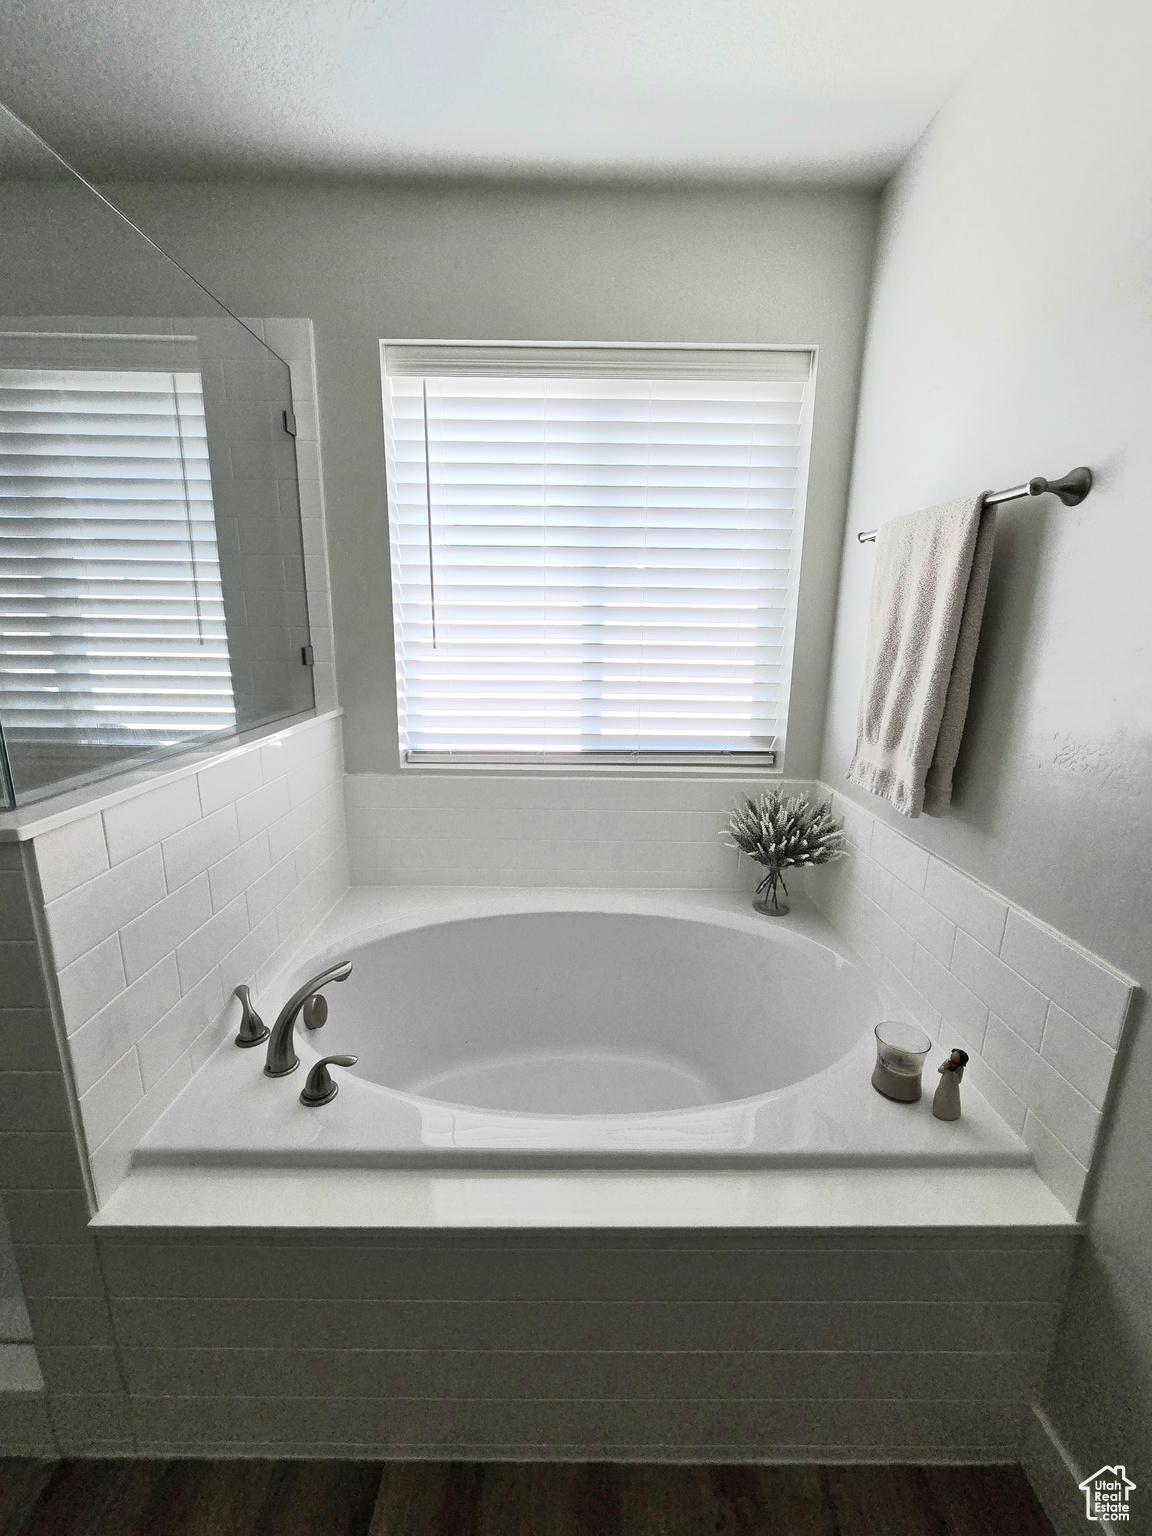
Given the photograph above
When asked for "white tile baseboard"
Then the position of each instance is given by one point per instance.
(1055, 1477)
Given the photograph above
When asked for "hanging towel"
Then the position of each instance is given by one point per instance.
(929, 583)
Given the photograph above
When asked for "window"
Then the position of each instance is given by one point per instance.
(111, 617)
(595, 551)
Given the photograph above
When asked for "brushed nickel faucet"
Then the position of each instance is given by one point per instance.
(282, 1057)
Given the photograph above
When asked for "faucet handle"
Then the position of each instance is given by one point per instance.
(320, 1089)
(252, 1027)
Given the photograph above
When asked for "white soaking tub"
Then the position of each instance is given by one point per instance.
(596, 1013)
(576, 1029)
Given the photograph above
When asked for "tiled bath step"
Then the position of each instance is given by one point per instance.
(340, 1498)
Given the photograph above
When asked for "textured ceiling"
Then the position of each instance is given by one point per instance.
(802, 89)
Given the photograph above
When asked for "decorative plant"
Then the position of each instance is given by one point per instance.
(784, 832)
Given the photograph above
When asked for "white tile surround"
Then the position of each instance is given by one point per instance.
(1040, 1018)
(423, 1338)
(700, 1345)
(651, 1346)
(158, 906)
(459, 828)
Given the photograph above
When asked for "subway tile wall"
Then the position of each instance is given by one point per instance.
(459, 828)
(158, 906)
(1040, 1018)
(628, 1345)
(648, 1346)
(23, 1408)
(15, 1327)
(24, 1426)
(42, 1184)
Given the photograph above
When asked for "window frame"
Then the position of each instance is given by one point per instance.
(720, 762)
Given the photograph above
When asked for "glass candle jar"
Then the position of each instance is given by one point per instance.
(900, 1052)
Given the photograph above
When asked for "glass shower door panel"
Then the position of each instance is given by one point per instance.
(112, 633)
(152, 590)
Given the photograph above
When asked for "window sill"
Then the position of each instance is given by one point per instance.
(656, 765)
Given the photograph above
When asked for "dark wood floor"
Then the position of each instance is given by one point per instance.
(324, 1498)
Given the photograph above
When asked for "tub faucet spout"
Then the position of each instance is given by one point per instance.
(282, 1057)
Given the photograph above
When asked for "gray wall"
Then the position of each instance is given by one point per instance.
(1009, 336)
(574, 264)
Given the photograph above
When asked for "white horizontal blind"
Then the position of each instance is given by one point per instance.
(111, 617)
(597, 562)
(544, 359)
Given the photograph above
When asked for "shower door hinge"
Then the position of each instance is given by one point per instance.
(307, 656)
(290, 423)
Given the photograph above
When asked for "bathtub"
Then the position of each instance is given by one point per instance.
(576, 1028)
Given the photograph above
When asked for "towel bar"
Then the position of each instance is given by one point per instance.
(1071, 489)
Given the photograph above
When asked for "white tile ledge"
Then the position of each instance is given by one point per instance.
(57, 811)
(873, 1200)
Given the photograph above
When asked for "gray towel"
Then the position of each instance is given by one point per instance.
(928, 589)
